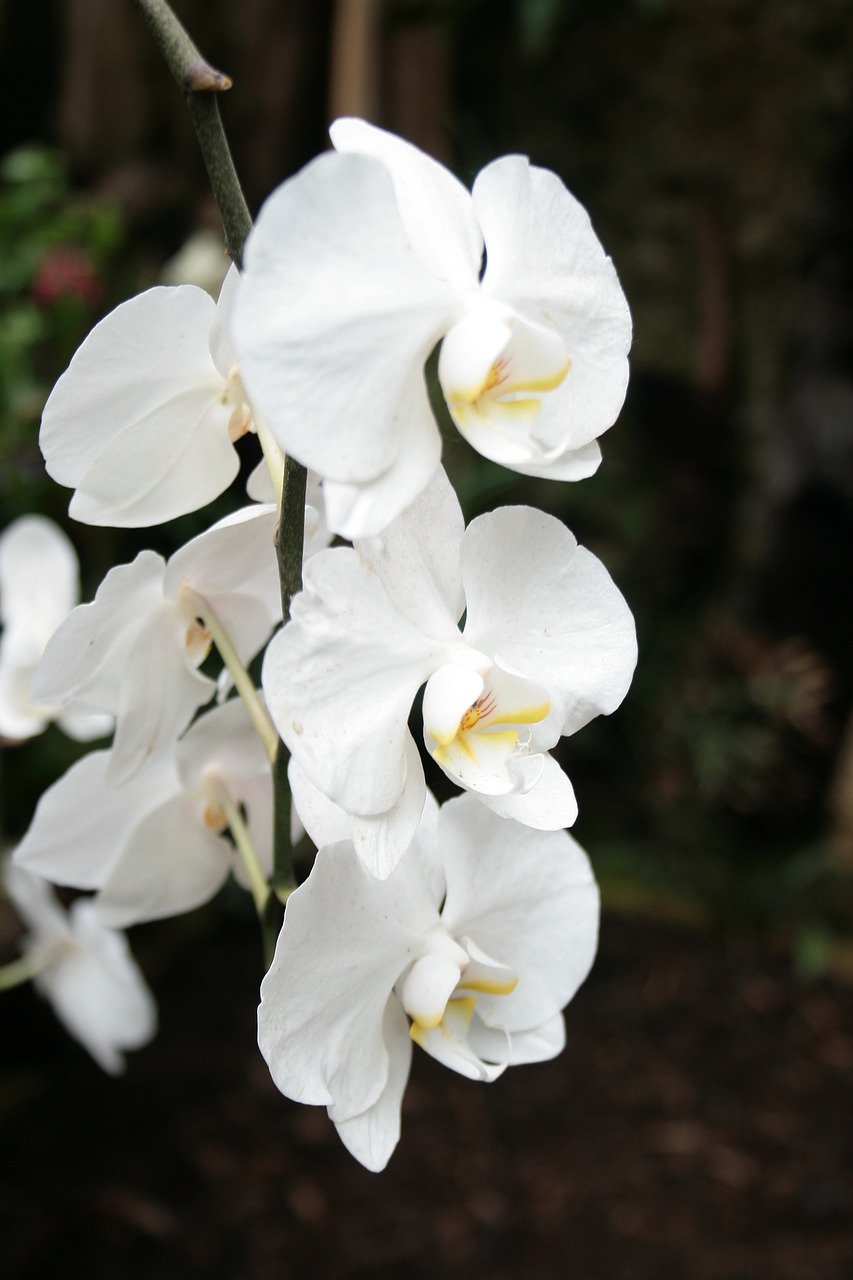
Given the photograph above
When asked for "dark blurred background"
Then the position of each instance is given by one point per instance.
(712, 142)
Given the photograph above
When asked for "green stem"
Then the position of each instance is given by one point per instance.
(289, 549)
(200, 84)
(243, 682)
(17, 972)
(243, 841)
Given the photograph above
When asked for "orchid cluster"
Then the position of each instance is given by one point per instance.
(465, 928)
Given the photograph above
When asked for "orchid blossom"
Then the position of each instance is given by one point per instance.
(547, 644)
(39, 586)
(85, 971)
(136, 650)
(372, 255)
(157, 845)
(143, 422)
(471, 949)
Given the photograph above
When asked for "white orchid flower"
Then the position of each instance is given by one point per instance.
(156, 846)
(84, 970)
(142, 424)
(136, 649)
(39, 586)
(548, 643)
(471, 949)
(360, 264)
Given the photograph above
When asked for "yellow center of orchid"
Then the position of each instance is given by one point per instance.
(438, 989)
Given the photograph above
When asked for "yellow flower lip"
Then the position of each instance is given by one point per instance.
(494, 362)
(490, 986)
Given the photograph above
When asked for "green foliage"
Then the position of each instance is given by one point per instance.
(55, 255)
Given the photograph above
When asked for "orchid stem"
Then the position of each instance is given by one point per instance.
(246, 849)
(17, 972)
(200, 84)
(289, 550)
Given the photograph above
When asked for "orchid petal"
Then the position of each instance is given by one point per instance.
(363, 509)
(372, 1136)
(545, 261)
(81, 822)
(175, 459)
(170, 863)
(417, 559)
(450, 1045)
(322, 1011)
(381, 839)
(220, 342)
(338, 698)
(157, 698)
(39, 575)
(85, 655)
(99, 994)
(435, 208)
(335, 318)
(548, 939)
(545, 605)
(539, 1044)
(545, 798)
(132, 424)
(92, 982)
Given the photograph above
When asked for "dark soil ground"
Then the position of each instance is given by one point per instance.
(699, 1125)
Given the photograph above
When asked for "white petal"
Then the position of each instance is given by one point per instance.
(362, 509)
(380, 840)
(340, 679)
(417, 559)
(34, 901)
(427, 987)
(233, 567)
(159, 694)
(449, 693)
(571, 464)
(86, 655)
(324, 821)
(547, 804)
(259, 486)
(345, 941)
(81, 822)
(453, 1046)
(225, 742)
(221, 343)
(170, 863)
(176, 459)
(479, 732)
(98, 993)
(128, 425)
(436, 209)
(497, 371)
(335, 318)
(528, 899)
(548, 608)
(544, 259)
(539, 1045)
(39, 576)
(19, 717)
(372, 1136)
(38, 589)
(85, 726)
